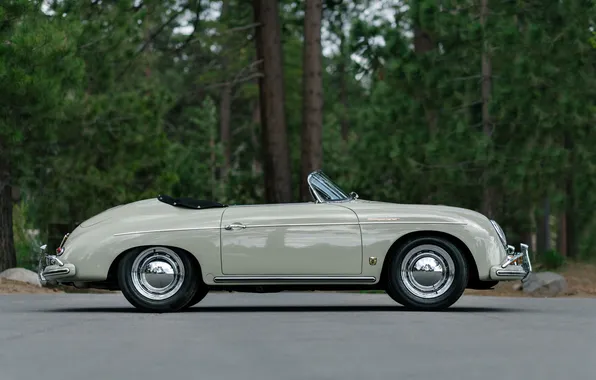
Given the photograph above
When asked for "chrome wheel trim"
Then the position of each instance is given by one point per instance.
(427, 271)
(157, 273)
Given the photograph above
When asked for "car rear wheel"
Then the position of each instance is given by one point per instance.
(158, 279)
(427, 273)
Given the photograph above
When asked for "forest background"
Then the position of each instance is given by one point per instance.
(483, 104)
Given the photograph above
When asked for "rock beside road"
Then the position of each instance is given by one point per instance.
(22, 275)
(545, 284)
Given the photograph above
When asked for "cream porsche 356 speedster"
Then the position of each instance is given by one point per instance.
(166, 254)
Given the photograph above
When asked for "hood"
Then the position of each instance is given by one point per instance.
(418, 213)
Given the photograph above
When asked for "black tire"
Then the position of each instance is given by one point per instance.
(134, 286)
(483, 285)
(409, 292)
(201, 293)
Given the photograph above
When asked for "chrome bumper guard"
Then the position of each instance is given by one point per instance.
(50, 268)
(515, 266)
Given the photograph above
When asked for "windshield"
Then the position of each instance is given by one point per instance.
(325, 190)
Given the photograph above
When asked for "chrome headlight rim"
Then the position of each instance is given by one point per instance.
(500, 232)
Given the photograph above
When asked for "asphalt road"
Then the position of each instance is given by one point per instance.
(289, 336)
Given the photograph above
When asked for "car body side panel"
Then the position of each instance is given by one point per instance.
(93, 249)
(291, 239)
(323, 239)
(384, 223)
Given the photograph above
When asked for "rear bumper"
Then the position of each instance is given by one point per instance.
(51, 269)
(515, 266)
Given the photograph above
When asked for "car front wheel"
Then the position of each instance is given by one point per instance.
(201, 293)
(427, 273)
(158, 279)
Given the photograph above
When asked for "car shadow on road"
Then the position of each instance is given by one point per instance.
(289, 309)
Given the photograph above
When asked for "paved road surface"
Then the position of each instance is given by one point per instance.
(289, 336)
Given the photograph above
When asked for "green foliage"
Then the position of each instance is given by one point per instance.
(40, 75)
(190, 159)
(551, 260)
(27, 241)
(104, 103)
(40, 79)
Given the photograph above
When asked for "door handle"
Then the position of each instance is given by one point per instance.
(235, 226)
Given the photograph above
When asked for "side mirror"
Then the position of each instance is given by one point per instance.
(354, 195)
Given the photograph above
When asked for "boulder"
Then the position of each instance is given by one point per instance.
(545, 284)
(22, 275)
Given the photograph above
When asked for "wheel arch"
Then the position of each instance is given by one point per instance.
(112, 276)
(472, 267)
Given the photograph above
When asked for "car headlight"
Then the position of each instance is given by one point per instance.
(500, 232)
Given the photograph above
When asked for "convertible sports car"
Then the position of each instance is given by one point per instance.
(166, 254)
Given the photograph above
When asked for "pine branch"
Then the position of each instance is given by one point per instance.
(241, 28)
(152, 38)
(466, 78)
(236, 81)
(232, 30)
(195, 26)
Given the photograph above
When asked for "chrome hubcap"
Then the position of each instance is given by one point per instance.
(157, 273)
(427, 271)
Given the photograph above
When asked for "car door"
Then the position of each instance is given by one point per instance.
(290, 239)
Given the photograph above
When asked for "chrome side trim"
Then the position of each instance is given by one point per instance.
(166, 230)
(53, 260)
(507, 272)
(511, 258)
(55, 272)
(300, 279)
(302, 224)
(413, 222)
(339, 224)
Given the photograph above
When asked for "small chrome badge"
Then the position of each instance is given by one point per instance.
(372, 260)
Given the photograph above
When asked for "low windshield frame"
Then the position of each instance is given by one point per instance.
(324, 189)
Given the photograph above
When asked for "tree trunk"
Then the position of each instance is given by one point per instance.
(426, 97)
(569, 227)
(343, 88)
(546, 234)
(8, 258)
(312, 92)
(214, 171)
(256, 122)
(562, 234)
(487, 194)
(225, 104)
(570, 236)
(276, 154)
(423, 43)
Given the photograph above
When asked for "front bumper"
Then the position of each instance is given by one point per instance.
(515, 266)
(51, 269)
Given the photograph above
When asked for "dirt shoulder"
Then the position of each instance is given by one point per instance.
(14, 287)
(18, 287)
